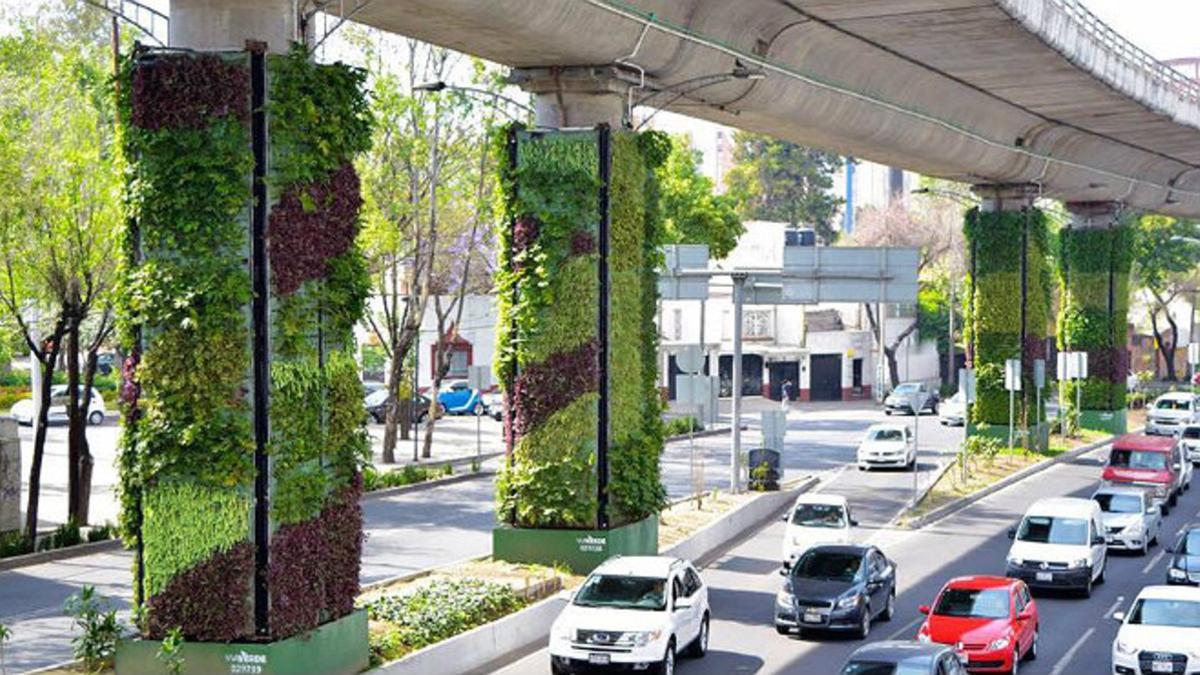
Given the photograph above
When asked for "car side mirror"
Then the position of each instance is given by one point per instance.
(1099, 540)
(1168, 549)
(783, 518)
(783, 571)
(1025, 615)
(1119, 617)
(924, 609)
(1176, 467)
(1012, 533)
(853, 523)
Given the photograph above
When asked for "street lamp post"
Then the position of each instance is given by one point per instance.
(496, 97)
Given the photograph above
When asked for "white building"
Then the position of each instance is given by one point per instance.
(827, 350)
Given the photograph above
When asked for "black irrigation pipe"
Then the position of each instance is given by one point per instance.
(604, 138)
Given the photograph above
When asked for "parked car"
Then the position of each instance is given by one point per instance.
(1159, 633)
(1172, 411)
(376, 404)
(992, 621)
(458, 398)
(813, 520)
(900, 400)
(1059, 543)
(896, 657)
(1148, 462)
(1185, 558)
(106, 363)
(22, 411)
(836, 588)
(632, 613)
(493, 406)
(1189, 437)
(887, 445)
(953, 411)
(1132, 519)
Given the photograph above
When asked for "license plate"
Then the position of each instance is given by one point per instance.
(812, 617)
(1162, 667)
(598, 659)
(1045, 576)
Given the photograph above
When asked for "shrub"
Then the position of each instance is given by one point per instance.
(436, 611)
(101, 532)
(169, 652)
(97, 626)
(681, 425)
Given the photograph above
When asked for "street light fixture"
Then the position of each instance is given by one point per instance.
(439, 85)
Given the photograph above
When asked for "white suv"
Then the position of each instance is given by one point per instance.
(1160, 633)
(1171, 412)
(1190, 439)
(632, 613)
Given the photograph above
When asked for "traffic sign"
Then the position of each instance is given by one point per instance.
(1012, 375)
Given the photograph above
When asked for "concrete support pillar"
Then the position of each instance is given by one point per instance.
(1009, 310)
(1094, 276)
(10, 475)
(577, 96)
(212, 25)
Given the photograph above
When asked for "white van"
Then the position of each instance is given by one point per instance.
(1060, 543)
(815, 520)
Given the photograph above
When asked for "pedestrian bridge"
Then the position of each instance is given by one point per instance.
(980, 91)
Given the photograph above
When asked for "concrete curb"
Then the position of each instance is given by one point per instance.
(716, 431)
(410, 576)
(481, 649)
(961, 503)
(427, 484)
(76, 551)
(924, 492)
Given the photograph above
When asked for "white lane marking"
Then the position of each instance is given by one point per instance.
(1115, 605)
(1066, 659)
(1154, 561)
(906, 629)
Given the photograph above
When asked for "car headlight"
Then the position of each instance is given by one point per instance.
(1176, 573)
(1125, 648)
(998, 644)
(924, 637)
(848, 602)
(639, 638)
(1078, 564)
(1016, 561)
(785, 599)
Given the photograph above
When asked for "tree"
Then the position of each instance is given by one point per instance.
(58, 224)
(692, 213)
(1166, 264)
(781, 181)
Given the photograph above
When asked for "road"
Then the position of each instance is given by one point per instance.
(1076, 634)
(414, 531)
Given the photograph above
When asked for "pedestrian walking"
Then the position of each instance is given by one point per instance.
(785, 394)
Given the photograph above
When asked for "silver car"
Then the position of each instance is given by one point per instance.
(1132, 519)
(1190, 438)
(1171, 412)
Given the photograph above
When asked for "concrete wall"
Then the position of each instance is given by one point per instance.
(10, 475)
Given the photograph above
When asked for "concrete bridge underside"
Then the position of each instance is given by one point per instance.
(981, 91)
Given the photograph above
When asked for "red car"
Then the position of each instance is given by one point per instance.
(1150, 462)
(991, 621)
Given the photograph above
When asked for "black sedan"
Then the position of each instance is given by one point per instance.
(836, 588)
(1185, 559)
(376, 404)
(893, 657)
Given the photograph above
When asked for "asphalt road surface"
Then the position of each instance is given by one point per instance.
(1076, 634)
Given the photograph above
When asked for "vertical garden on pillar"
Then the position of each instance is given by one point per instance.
(1094, 266)
(244, 429)
(1008, 311)
(577, 344)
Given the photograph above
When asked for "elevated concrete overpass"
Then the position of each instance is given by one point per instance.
(981, 91)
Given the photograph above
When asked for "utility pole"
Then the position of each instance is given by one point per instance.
(735, 459)
(950, 370)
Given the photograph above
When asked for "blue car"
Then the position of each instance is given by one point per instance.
(458, 398)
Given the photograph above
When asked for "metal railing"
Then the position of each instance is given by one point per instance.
(1119, 45)
(150, 21)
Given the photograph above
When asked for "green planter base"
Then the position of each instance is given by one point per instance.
(1114, 422)
(337, 648)
(579, 550)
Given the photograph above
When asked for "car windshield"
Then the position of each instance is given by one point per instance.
(1050, 530)
(1163, 612)
(991, 603)
(909, 667)
(1137, 459)
(1171, 404)
(1191, 432)
(819, 515)
(886, 435)
(907, 388)
(621, 592)
(377, 397)
(1191, 543)
(828, 566)
(1110, 503)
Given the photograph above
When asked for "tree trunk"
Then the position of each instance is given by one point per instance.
(76, 428)
(47, 363)
(889, 350)
(86, 461)
(393, 401)
(1168, 357)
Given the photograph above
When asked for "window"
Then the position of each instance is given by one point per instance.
(677, 324)
(691, 582)
(991, 603)
(622, 592)
(458, 362)
(677, 590)
(819, 515)
(1138, 459)
(1049, 530)
(857, 370)
(756, 324)
(1119, 503)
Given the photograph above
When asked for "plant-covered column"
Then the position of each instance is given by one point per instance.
(577, 346)
(244, 428)
(1008, 306)
(1094, 265)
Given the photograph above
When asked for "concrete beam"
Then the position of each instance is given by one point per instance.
(1090, 215)
(577, 96)
(1005, 196)
(215, 25)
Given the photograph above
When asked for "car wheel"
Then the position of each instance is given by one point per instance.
(864, 629)
(1086, 591)
(699, 646)
(556, 669)
(478, 409)
(1031, 655)
(1166, 509)
(1174, 498)
(890, 609)
(96, 418)
(1016, 661)
(1103, 571)
(422, 417)
(1145, 547)
(887, 412)
(667, 666)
